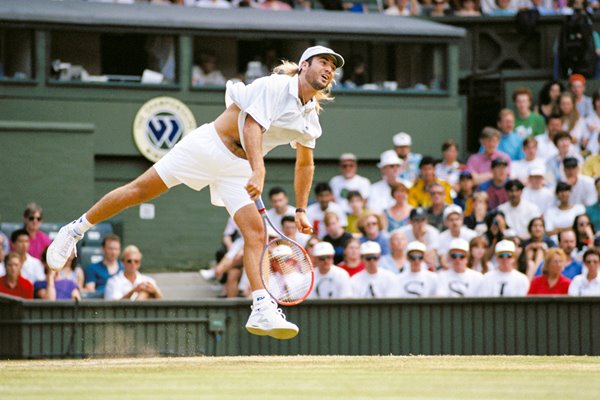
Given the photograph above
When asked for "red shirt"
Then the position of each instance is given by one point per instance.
(23, 289)
(354, 270)
(539, 285)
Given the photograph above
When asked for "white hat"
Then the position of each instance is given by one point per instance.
(281, 251)
(319, 50)
(415, 245)
(347, 157)
(459, 244)
(370, 248)
(452, 209)
(389, 157)
(402, 139)
(323, 249)
(505, 246)
(537, 171)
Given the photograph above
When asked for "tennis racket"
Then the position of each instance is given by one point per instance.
(285, 267)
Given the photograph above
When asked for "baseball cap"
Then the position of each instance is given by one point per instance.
(537, 171)
(570, 162)
(415, 245)
(459, 244)
(402, 139)
(370, 248)
(323, 249)
(505, 246)
(347, 157)
(418, 212)
(389, 157)
(281, 251)
(452, 209)
(499, 161)
(321, 50)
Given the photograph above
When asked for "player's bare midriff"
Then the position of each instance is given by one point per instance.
(226, 126)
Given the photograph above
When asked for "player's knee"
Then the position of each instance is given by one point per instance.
(254, 234)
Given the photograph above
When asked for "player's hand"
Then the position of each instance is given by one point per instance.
(302, 223)
(255, 184)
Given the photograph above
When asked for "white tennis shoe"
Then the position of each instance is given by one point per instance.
(267, 319)
(64, 244)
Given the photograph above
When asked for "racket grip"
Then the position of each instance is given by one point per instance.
(259, 204)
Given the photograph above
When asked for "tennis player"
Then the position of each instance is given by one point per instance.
(227, 155)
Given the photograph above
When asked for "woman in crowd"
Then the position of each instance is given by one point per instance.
(551, 282)
(587, 284)
(395, 261)
(496, 226)
(448, 169)
(584, 232)
(548, 98)
(561, 217)
(572, 121)
(32, 222)
(357, 210)
(71, 271)
(397, 216)
(336, 235)
(352, 263)
(478, 260)
(536, 246)
(476, 220)
(372, 228)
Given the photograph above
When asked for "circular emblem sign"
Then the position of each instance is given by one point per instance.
(160, 124)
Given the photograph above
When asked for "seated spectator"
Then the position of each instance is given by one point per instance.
(458, 280)
(518, 212)
(496, 230)
(583, 103)
(380, 197)
(551, 282)
(587, 284)
(510, 143)
(420, 230)
(352, 262)
(325, 203)
(503, 8)
(32, 221)
(336, 235)
(568, 243)
(560, 218)
(478, 260)
(548, 99)
(465, 192)
(435, 212)
(280, 206)
(31, 267)
(397, 215)
(402, 7)
(536, 192)
(449, 169)
(480, 164)
(468, 8)
(372, 282)
(417, 281)
(584, 233)
(419, 194)
(572, 121)
(97, 274)
(476, 220)
(453, 220)
(582, 186)
(289, 229)
(331, 281)
(546, 148)
(506, 280)
(554, 165)
(495, 187)
(349, 180)
(357, 209)
(129, 284)
(409, 168)
(520, 169)
(592, 124)
(440, 9)
(396, 261)
(373, 229)
(54, 287)
(527, 123)
(207, 73)
(593, 211)
(535, 247)
(13, 283)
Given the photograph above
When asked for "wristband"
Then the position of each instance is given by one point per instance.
(301, 210)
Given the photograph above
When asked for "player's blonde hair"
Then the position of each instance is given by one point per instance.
(291, 68)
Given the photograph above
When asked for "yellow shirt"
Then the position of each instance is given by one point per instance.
(419, 197)
(591, 166)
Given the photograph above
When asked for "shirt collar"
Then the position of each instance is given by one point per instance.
(293, 90)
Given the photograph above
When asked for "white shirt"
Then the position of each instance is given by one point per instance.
(454, 284)
(579, 131)
(274, 104)
(446, 236)
(415, 284)
(544, 198)
(199, 77)
(518, 217)
(380, 197)
(593, 120)
(503, 284)
(276, 218)
(33, 270)
(546, 148)
(315, 216)
(520, 169)
(118, 285)
(556, 218)
(580, 286)
(340, 187)
(584, 191)
(335, 284)
(365, 285)
(432, 236)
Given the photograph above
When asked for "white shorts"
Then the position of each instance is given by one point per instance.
(201, 159)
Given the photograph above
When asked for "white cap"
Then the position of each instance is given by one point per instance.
(389, 157)
(370, 248)
(505, 246)
(323, 249)
(320, 50)
(281, 251)
(347, 157)
(415, 245)
(452, 209)
(402, 139)
(537, 171)
(459, 244)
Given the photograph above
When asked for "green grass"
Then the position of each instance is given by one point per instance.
(307, 378)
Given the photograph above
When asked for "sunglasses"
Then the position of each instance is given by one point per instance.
(347, 165)
(505, 255)
(325, 258)
(371, 258)
(415, 256)
(132, 261)
(457, 256)
(32, 218)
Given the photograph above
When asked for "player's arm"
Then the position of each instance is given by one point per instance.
(253, 147)
(303, 176)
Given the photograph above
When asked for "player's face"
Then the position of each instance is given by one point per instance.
(320, 72)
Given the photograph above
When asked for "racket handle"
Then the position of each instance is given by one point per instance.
(259, 204)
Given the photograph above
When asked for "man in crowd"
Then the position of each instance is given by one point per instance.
(418, 281)
(527, 123)
(325, 203)
(568, 242)
(97, 274)
(435, 212)
(331, 281)
(372, 282)
(480, 164)
(419, 229)
(583, 102)
(13, 283)
(520, 169)
(348, 181)
(582, 186)
(554, 164)
(129, 284)
(31, 268)
(458, 280)
(289, 229)
(506, 280)
(32, 222)
(410, 161)
(518, 212)
(280, 206)
(535, 192)
(510, 142)
(418, 194)
(545, 142)
(587, 284)
(453, 220)
(495, 186)
(380, 196)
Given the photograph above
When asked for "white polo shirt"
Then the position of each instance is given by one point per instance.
(518, 217)
(274, 104)
(340, 187)
(315, 216)
(372, 286)
(454, 284)
(335, 284)
(415, 284)
(580, 286)
(503, 284)
(33, 270)
(118, 285)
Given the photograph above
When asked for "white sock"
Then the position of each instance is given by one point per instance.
(259, 296)
(81, 225)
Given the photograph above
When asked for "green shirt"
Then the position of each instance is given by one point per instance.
(532, 125)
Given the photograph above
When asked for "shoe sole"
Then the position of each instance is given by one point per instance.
(282, 334)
